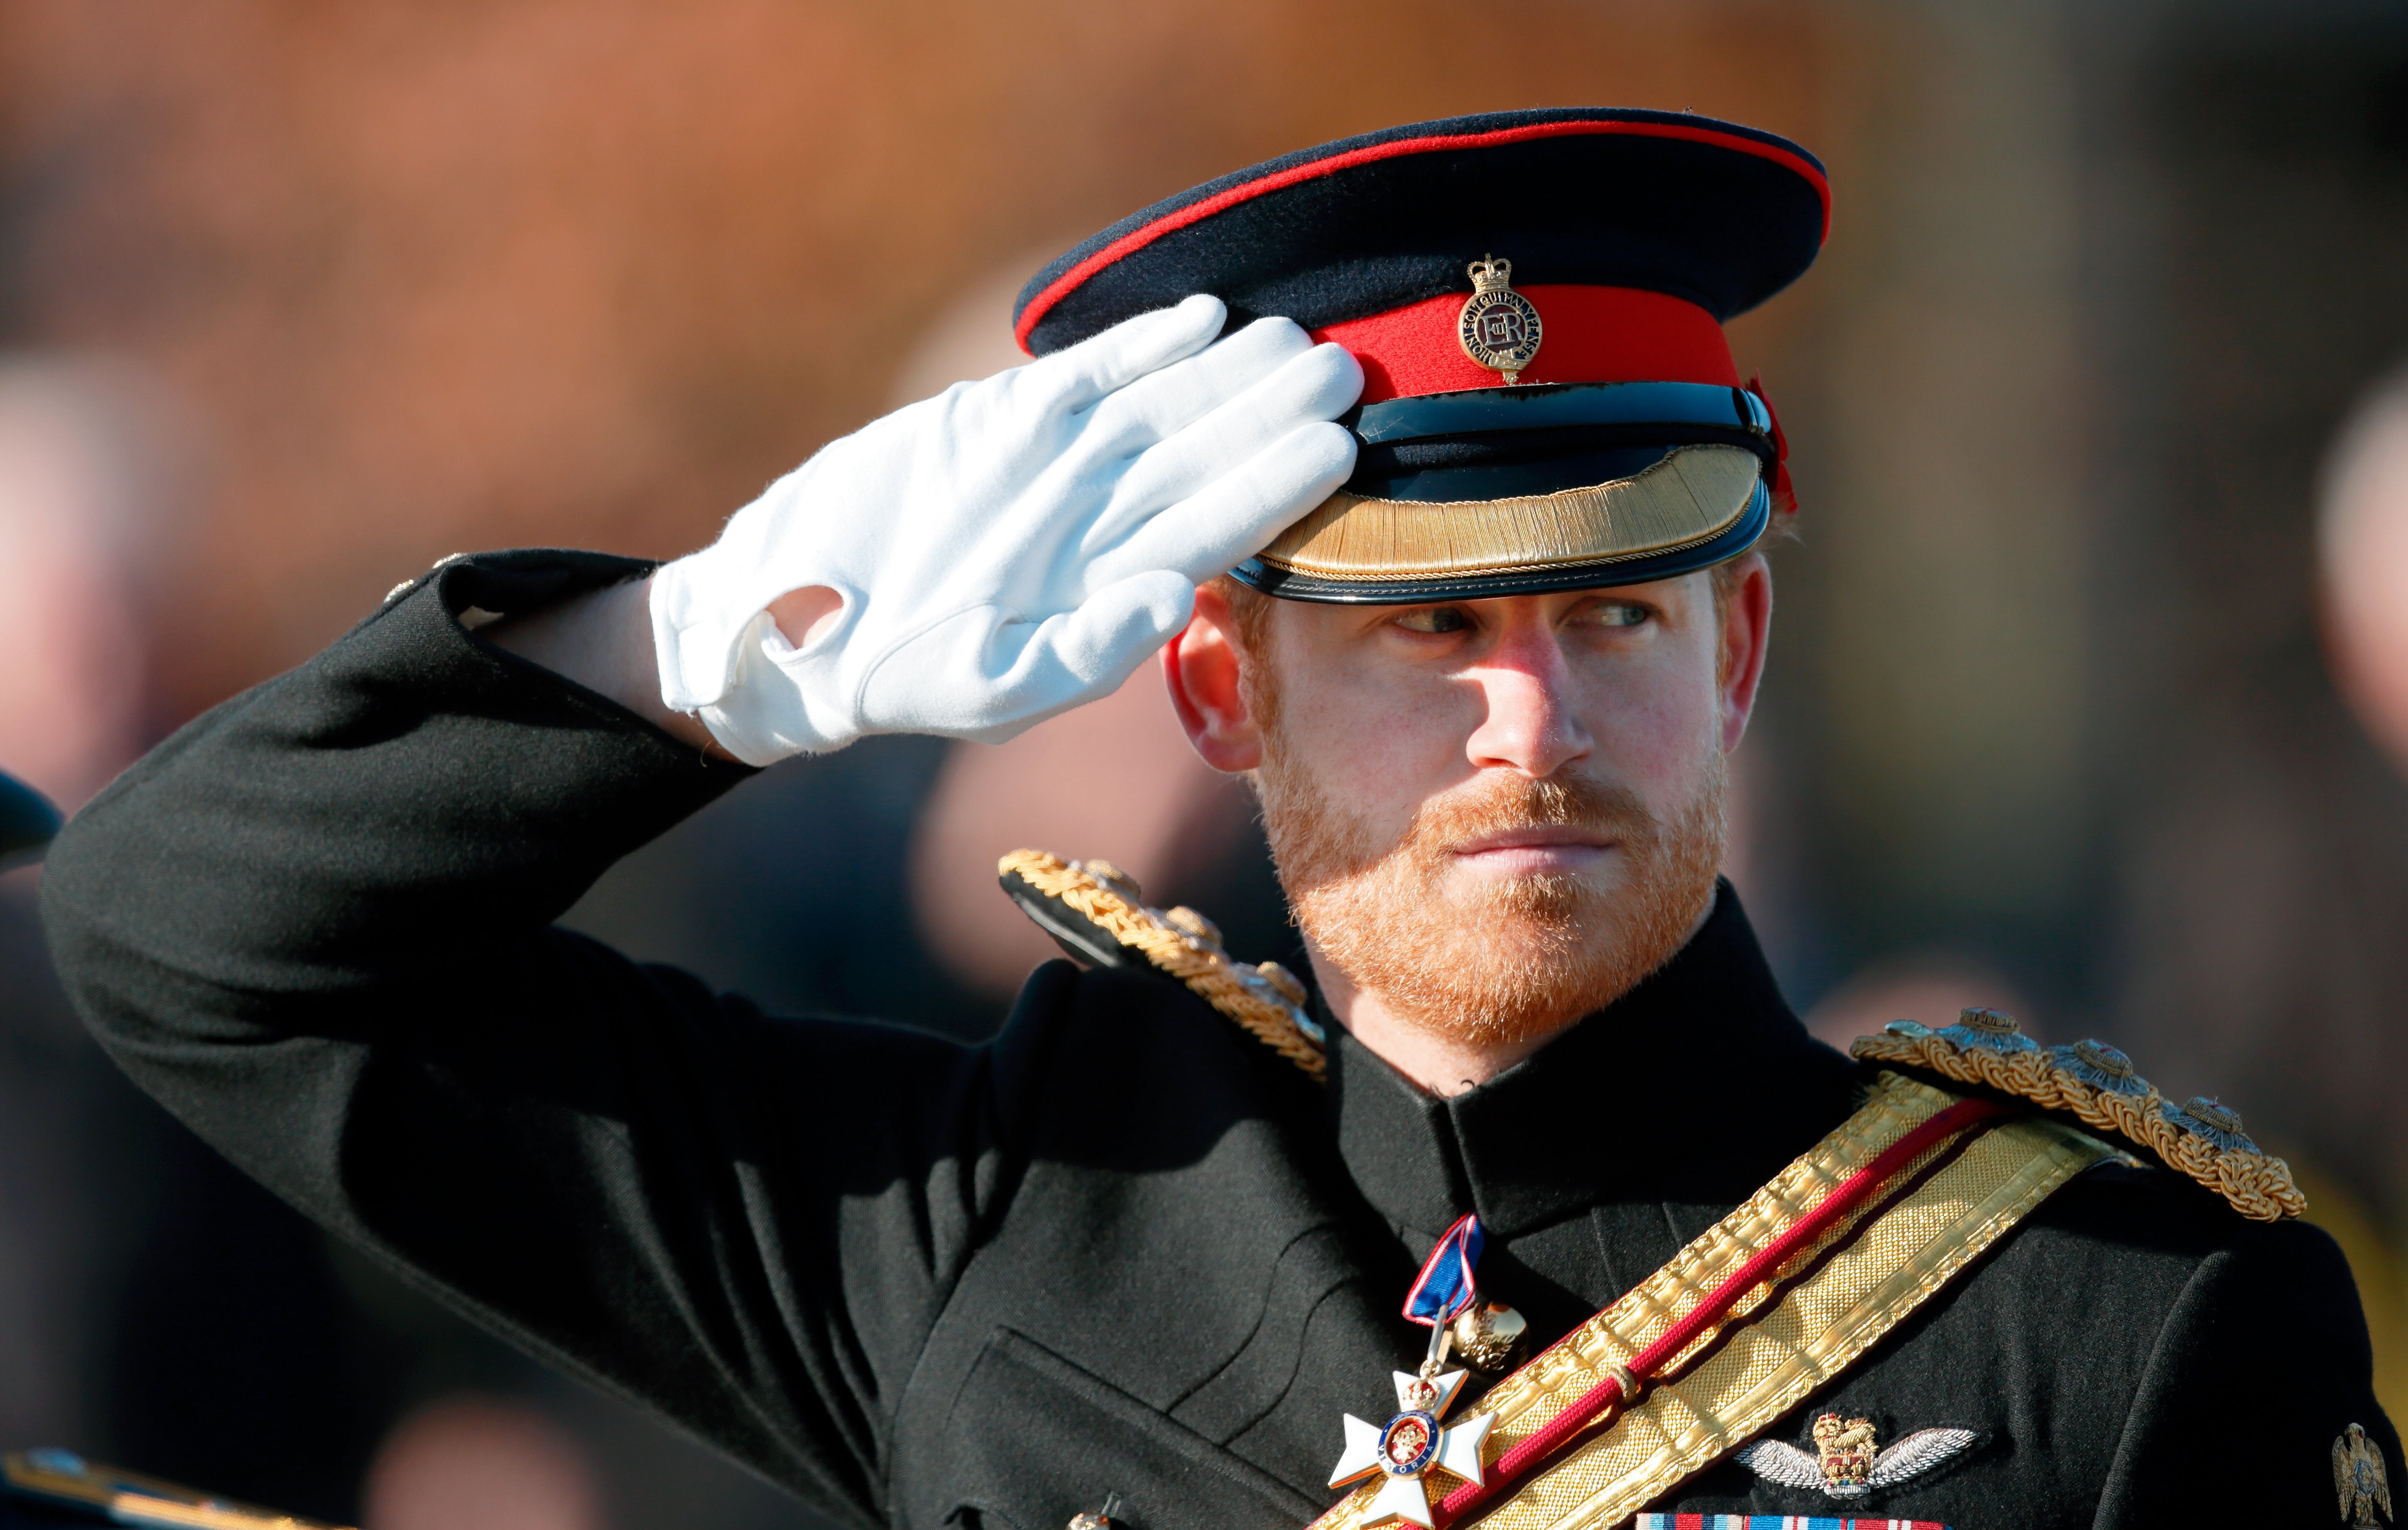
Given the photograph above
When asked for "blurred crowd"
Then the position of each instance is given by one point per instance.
(2090, 695)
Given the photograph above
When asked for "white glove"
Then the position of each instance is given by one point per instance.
(1012, 548)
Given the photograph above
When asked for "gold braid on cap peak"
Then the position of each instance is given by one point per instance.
(1267, 1000)
(2095, 1082)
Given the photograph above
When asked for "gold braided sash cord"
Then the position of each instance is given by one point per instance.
(1789, 1340)
(1249, 995)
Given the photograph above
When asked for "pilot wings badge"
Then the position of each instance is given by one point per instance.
(1846, 1462)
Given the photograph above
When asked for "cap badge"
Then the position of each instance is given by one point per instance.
(1499, 327)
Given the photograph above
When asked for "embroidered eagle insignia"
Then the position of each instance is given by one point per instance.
(2358, 1478)
(1847, 1461)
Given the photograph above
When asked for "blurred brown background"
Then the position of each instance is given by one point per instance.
(298, 297)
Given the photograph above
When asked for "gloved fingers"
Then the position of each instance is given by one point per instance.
(1238, 513)
(1263, 381)
(1317, 384)
(1077, 656)
(1130, 349)
(1167, 402)
(974, 677)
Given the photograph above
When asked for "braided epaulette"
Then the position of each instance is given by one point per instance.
(2095, 1082)
(1267, 1000)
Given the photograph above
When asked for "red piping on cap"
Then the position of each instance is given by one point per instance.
(1136, 239)
(1588, 334)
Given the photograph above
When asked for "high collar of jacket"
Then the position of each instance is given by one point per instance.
(1695, 1087)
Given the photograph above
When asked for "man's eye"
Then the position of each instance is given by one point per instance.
(1616, 614)
(1435, 618)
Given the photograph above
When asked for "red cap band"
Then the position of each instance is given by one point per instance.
(1589, 334)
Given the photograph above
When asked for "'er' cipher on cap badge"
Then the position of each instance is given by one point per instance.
(1498, 328)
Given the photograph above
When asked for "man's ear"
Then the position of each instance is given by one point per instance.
(1746, 637)
(1204, 667)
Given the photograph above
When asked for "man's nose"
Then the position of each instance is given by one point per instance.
(1529, 724)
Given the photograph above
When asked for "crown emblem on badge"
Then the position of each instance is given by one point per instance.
(1498, 328)
(1849, 1462)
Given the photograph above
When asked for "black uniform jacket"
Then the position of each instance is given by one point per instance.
(1123, 1246)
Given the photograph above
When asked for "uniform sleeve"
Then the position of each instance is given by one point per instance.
(317, 925)
(2261, 1365)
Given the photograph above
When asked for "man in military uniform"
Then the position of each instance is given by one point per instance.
(1454, 555)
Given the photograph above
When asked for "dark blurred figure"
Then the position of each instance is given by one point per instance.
(2362, 555)
(2265, 951)
(2363, 543)
(157, 1307)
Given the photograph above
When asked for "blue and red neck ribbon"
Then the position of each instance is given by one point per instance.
(1444, 1286)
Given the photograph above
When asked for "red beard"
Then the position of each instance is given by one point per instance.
(1499, 962)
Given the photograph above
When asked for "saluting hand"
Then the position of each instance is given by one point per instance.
(1012, 548)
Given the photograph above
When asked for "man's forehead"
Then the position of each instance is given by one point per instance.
(1537, 301)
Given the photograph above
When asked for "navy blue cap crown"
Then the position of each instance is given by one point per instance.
(1719, 215)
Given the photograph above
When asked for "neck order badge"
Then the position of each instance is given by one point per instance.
(1404, 1451)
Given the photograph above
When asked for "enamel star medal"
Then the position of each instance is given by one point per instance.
(1409, 1447)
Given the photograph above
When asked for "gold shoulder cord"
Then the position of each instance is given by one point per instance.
(2095, 1082)
(1266, 999)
